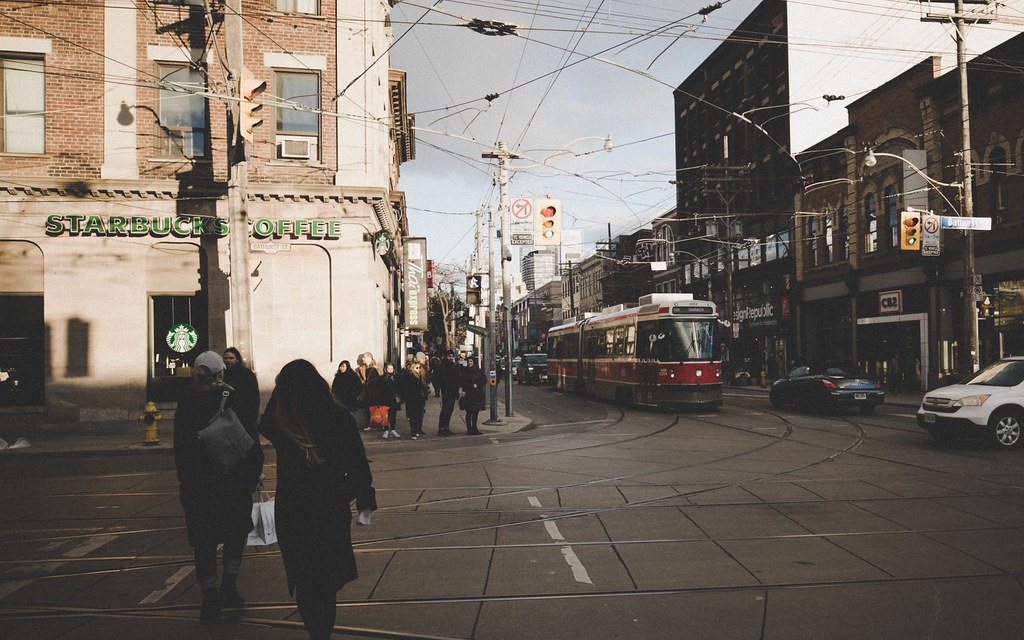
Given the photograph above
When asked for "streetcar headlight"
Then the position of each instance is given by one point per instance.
(700, 373)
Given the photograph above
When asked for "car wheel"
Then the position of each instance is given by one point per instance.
(775, 400)
(1005, 425)
(867, 409)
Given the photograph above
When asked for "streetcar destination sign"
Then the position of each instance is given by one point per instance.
(970, 224)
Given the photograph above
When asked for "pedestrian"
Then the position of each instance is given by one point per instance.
(473, 383)
(321, 468)
(380, 394)
(413, 392)
(449, 379)
(365, 361)
(247, 388)
(346, 387)
(395, 403)
(894, 373)
(217, 503)
(435, 365)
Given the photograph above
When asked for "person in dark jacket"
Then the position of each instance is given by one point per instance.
(321, 467)
(395, 404)
(448, 378)
(347, 387)
(217, 503)
(473, 384)
(413, 390)
(247, 388)
(380, 392)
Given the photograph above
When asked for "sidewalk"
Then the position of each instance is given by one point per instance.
(71, 444)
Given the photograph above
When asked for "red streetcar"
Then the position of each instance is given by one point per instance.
(661, 353)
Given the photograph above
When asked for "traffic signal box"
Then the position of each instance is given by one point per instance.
(910, 231)
(249, 116)
(473, 290)
(548, 223)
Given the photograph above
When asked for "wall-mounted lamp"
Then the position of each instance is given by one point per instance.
(870, 160)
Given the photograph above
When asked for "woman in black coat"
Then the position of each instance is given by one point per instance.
(473, 384)
(247, 388)
(347, 387)
(217, 503)
(380, 392)
(321, 467)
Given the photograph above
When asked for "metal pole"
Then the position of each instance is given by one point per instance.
(970, 309)
(506, 283)
(239, 285)
(493, 395)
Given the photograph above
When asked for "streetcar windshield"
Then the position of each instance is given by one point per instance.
(678, 340)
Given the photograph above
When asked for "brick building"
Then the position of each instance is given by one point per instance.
(114, 167)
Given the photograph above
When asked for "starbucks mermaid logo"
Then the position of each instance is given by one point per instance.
(182, 338)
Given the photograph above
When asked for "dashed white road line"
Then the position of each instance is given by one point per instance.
(579, 572)
(88, 546)
(169, 585)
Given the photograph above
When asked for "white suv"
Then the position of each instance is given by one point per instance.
(991, 403)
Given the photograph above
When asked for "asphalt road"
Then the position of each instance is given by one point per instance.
(602, 522)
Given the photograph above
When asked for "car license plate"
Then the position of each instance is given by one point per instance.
(928, 417)
(860, 396)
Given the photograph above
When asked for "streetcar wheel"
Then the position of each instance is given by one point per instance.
(1005, 429)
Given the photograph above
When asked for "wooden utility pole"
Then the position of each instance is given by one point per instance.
(239, 283)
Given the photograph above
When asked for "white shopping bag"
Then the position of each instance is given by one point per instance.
(264, 531)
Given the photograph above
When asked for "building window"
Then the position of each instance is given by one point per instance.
(181, 113)
(892, 215)
(844, 232)
(998, 167)
(829, 239)
(870, 223)
(310, 7)
(298, 128)
(812, 236)
(24, 109)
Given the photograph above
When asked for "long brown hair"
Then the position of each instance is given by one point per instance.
(303, 399)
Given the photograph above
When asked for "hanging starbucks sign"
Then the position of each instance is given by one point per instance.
(182, 338)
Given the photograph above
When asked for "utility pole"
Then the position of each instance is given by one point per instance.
(240, 287)
(493, 394)
(503, 156)
(969, 354)
(727, 182)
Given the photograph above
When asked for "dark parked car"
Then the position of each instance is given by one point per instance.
(533, 367)
(826, 387)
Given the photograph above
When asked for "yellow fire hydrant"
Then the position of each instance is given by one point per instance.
(151, 419)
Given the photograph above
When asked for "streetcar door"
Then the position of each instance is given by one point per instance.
(647, 365)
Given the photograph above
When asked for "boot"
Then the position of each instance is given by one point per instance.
(229, 596)
(209, 611)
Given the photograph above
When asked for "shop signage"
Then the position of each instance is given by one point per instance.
(182, 338)
(890, 302)
(760, 316)
(414, 254)
(186, 227)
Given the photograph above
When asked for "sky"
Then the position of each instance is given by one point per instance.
(574, 71)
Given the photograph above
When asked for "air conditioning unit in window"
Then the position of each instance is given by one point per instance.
(296, 147)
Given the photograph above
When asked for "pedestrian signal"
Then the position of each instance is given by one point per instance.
(548, 222)
(473, 290)
(910, 231)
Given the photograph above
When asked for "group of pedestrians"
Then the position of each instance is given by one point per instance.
(381, 391)
(321, 469)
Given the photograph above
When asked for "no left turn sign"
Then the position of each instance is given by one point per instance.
(522, 208)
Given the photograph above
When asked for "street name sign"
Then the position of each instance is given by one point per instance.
(966, 224)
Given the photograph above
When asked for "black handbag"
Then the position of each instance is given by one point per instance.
(225, 438)
(462, 403)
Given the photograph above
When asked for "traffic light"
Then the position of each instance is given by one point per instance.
(473, 290)
(249, 116)
(548, 222)
(910, 231)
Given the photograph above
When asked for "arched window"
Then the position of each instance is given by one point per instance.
(998, 167)
(870, 223)
(892, 215)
